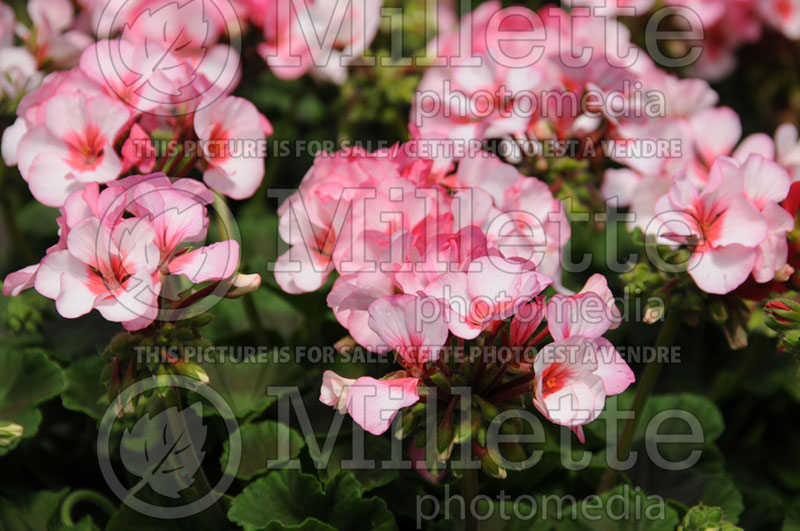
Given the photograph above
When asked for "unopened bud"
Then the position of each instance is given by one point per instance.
(489, 464)
(468, 428)
(244, 284)
(718, 310)
(9, 432)
(444, 438)
(784, 313)
(488, 409)
(202, 320)
(191, 370)
(406, 426)
(346, 345)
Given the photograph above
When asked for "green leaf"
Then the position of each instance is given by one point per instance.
(37, 511)
(85, 391)
(517, 515)
(244, 385)
(670, 411)
(349, 511)
(792, 520)
(290, 498)
(622, 509)
(285, 496)
(260, 445)
(212, 519)
(378, 449)
(27, 378)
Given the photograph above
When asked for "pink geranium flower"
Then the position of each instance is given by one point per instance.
(112, 268)
(231, 132)
(404, 327)
(489, 289)
(371, 403)
(719, 221)
(119, 245)
(573, 378)
(320, 36)
(72, 147)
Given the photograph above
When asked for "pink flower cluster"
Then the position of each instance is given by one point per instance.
(726, 25)
(423, 258)
(320, 37)
(118, 247)
(708, 142)
(18, 69)
(57, 36)
(99, 121)
(534, 77)
(734, 223)
(569, 377)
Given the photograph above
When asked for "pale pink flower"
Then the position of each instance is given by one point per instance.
(489, 289)
(590, 313)
(766, 185)
(74, 146)
(146, 78)
(573, 378)
(321, 36)
(18, 72)
(113, 269)
(371, 403)
(783, 15)
(522, 218)
(57, 38)
(232, 133)
(787, 149)
(31, 108)
(723, 225)
(414, 327)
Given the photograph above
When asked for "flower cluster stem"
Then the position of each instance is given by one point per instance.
(469, 490)
(645, 388)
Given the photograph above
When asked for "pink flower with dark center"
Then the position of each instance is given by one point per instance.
(722, 226)
(74, 146)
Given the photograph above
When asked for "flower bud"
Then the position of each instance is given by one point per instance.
(468, 428)
(441, 382)
(191, 370)
(244, 284)
(444, 438)
(202, 320)
(407, 424)
(489, 410)
(718, 310)
(703, 517)
(784, 314)
(9, 432)
(489, 464)
(346, 345)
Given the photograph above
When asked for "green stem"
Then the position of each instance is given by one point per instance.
(254, 318)
(646, 384)
(10, 221)
(173, 405)
(469, 490)
(84, 496)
